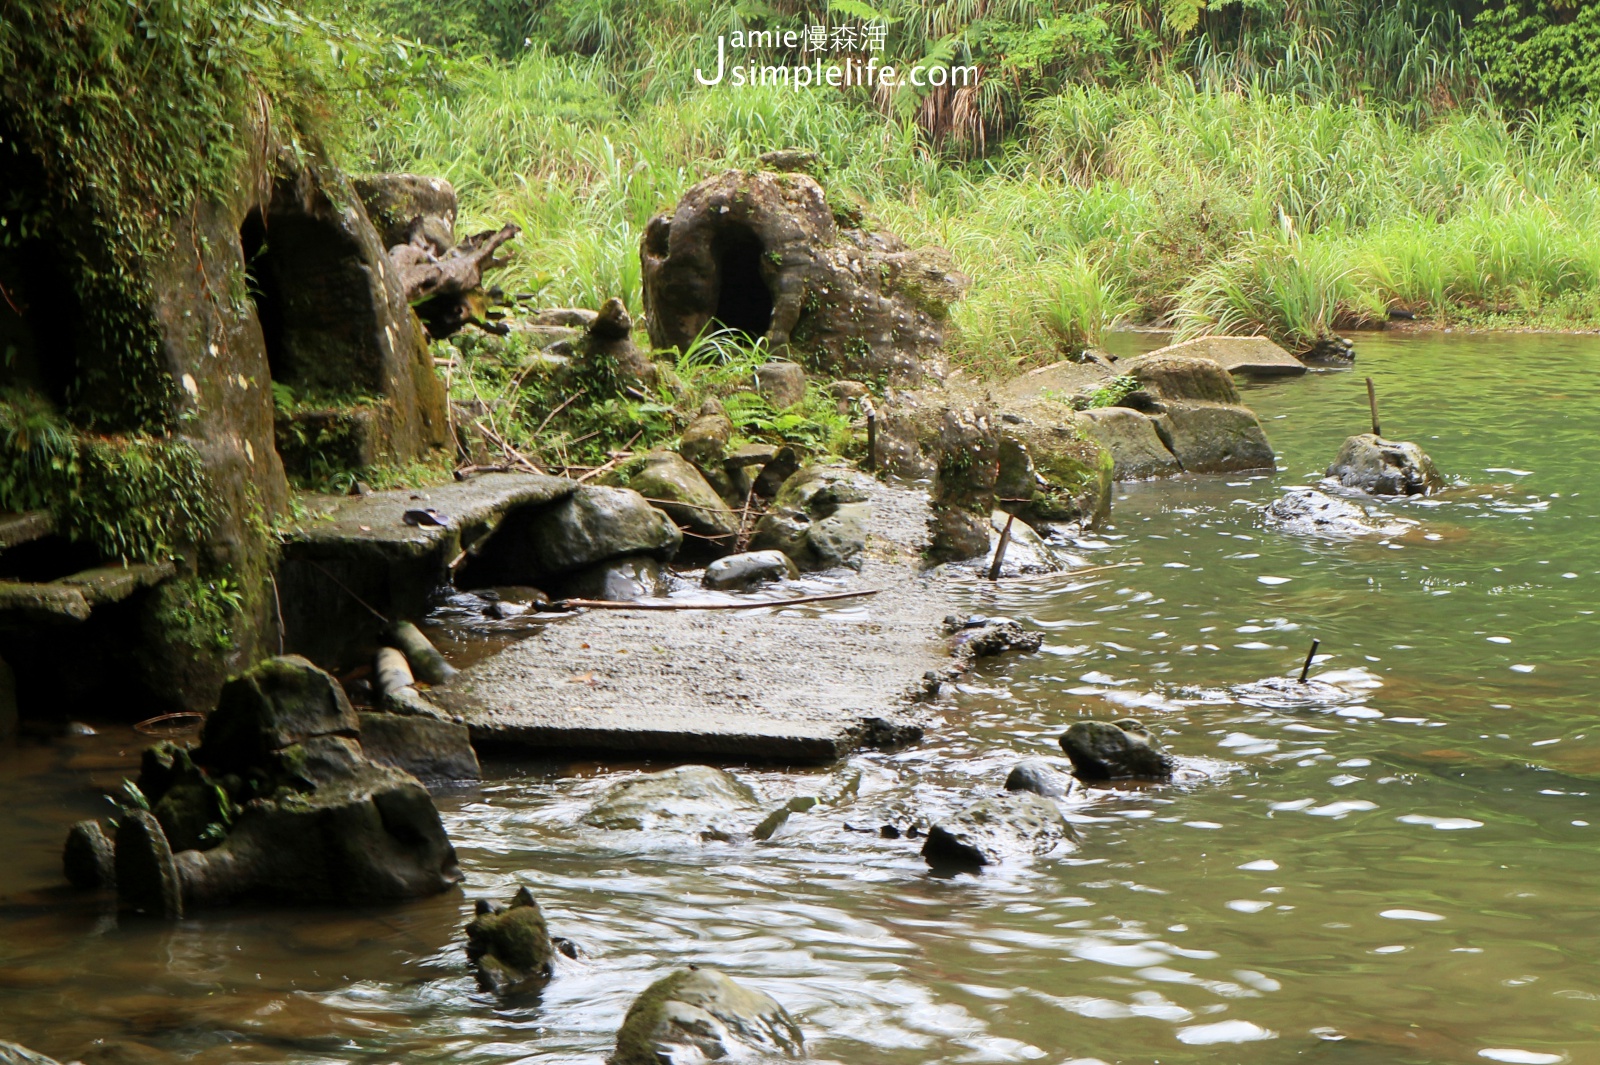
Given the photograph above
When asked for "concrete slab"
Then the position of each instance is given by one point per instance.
(792, 684)
(1251, 356)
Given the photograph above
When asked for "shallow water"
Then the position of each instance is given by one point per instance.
(1401, 874)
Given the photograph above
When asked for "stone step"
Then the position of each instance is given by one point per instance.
(25, 527)
(73, 598)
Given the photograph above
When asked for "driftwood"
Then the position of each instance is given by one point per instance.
(444, 286)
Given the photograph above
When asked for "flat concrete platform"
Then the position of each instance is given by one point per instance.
(1250, 356)
(776, 683)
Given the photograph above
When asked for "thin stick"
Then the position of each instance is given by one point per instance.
(609, 604)
(619, 456)
(1000, 549)
(1305, 669)
(1372, 405)
(375, 612)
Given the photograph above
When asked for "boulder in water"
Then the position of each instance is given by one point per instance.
(510, 945)
(1103, 750)
(283, 701)
(1018, 824)
(1384, 467)
(429, 748)
(596, 523)
(750, 568)
(694, 799)
(89, 857)
(698, 1015)
(1308, 512)
(996, 636)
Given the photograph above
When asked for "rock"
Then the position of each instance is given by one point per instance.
(1039, 777)
(1337, 351)
(698, 1015)
(752, 567)
(1102, 750)
(792, 160)
(670, 483)
(692, 798)
(565, 317)
(427, 664)
(705, 443)
(996, 636)
(744, 467)
(594, 524)
(782, 383)
(406, 206)
(1308, 512)
(1182, 378)
(1202, 421)
(1251, 356)
(760, 252)
(956, 534)
(846, 393)
(431, 749)
(1026, 551)
(607, 354)
(818, 518)
(1384, 467)
(89, 859)
(990, 831)
(283, 701)
(1049, 470)
(1136, 449)
(17, 1054)
(510, 945)
(620, 580)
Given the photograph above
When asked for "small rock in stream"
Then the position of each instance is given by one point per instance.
(737, 572)
(1384, 467)
(1014, 825)
(1103, 750)
(1308, 512)
(1039, 777)
(996, 637)
(510, 946)
(698, 1015)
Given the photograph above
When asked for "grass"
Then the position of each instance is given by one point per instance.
(1169, 201)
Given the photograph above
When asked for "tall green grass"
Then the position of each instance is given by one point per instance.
(1176, 201)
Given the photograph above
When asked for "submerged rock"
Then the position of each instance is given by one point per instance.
(1039, 777)
(1384, 467)
(750, 568)
(818, 518)
(693, 799)
(698, 1015)
(1308, 512)
(510, 945)
(1017, 824)
(1102, 750)
(619, 580)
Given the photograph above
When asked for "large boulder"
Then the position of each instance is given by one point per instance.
(596, 523)
(690, 799)
(671, 483)
(1018, 824)
(1384, 467)
(818, 518)
(1130, 436)
(698, 1015)
(281, 702)
(429, 748)
(510, 945)
(762, 253)
(1102, 750)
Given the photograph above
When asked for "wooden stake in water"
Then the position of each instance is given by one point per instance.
(1305, 669)
(1000, 549)
(872, 440)
(1372, 405)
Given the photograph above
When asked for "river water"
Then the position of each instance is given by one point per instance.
(1406, 875)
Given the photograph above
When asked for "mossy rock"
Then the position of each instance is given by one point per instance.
(510, 945)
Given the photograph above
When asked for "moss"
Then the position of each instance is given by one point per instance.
(635, 1045)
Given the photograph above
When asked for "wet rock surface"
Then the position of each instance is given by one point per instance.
(1203, 421)
(596, 523)
(1039, 777)
(1308, 512)
(1018, 824)
(692, 799)
(509, 945)
(750, 568)
(995, 637)
(1384, 467)
(431, 750)
(700, 1014)
(1120, 750)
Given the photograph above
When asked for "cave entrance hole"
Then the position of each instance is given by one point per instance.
(744, 303)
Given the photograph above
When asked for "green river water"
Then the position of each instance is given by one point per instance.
(1406, 877)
